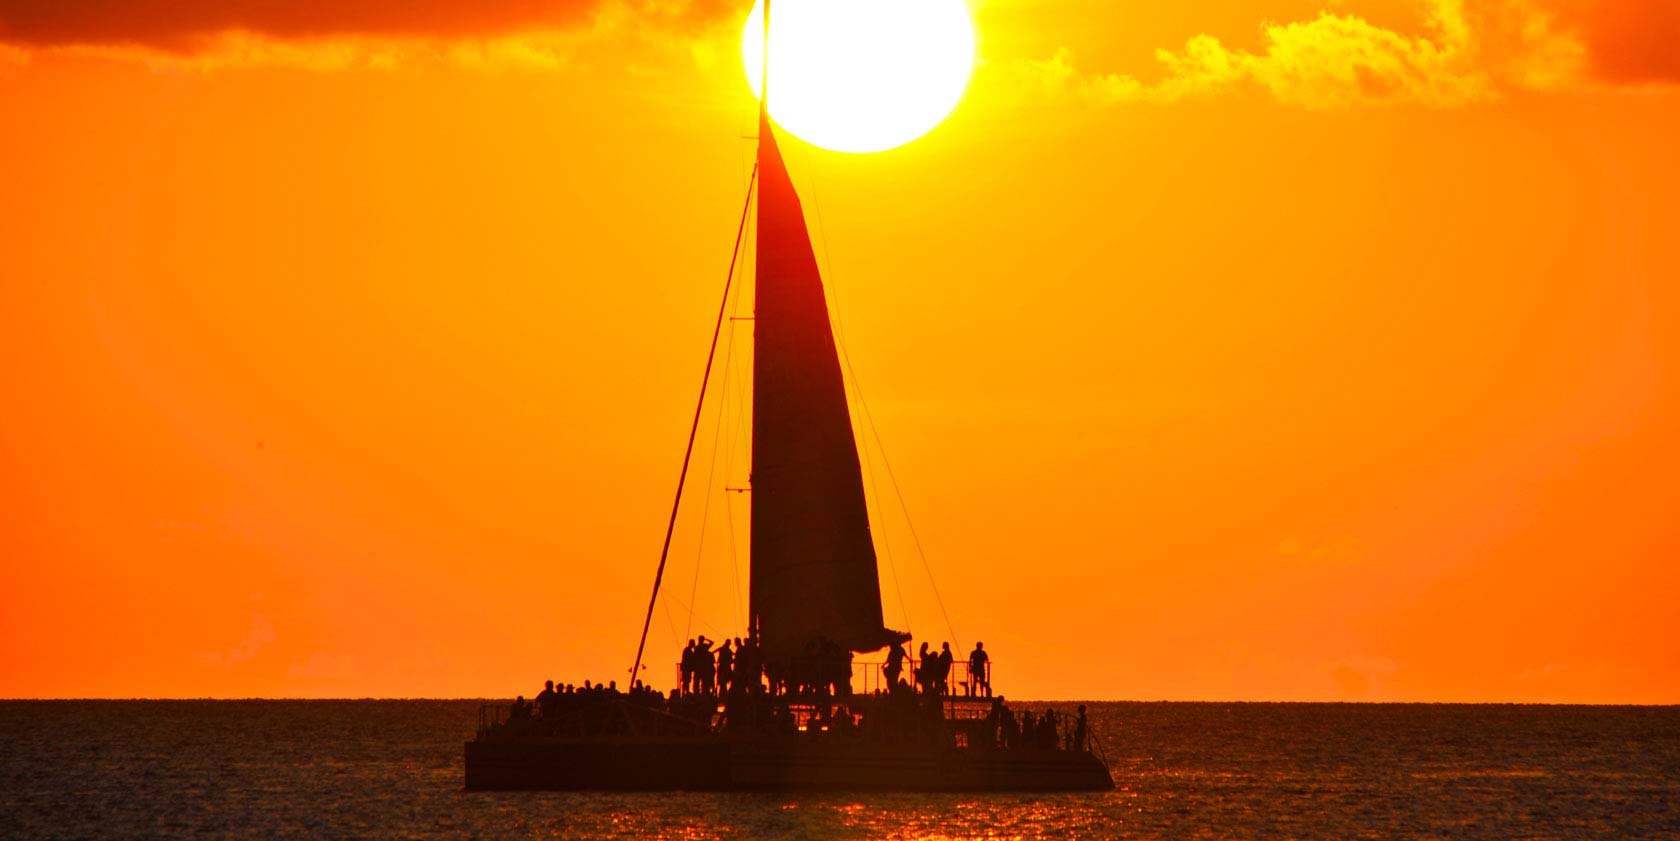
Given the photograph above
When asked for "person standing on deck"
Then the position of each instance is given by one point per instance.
(943, 675)
(705, 671)
(686, 665)
(1047, 729)
(725, 667)
(546, 700)
(978, 673)
(1081, 730)
(924, 669)
(749, 665)
(895, 664)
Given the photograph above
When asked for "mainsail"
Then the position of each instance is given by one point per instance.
(813, 567)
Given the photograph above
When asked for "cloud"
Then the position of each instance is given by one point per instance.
(1335, 61)
(327, 34)
(184, 25)
(1629, 41)
(548, 50)
(1469, 51)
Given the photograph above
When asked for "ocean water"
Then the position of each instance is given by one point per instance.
(392, 769)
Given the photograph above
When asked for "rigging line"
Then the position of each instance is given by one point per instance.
(863, 405)
(729, 446)
(672, 622)
(706, 504)
(707, 625)
(904, 507)
(892, 565)
(682, 476)
(857, 388)
(711, 474)
(738, 440)
(735, 555)
(729, 459)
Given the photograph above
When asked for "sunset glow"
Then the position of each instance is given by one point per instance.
(1272, 349)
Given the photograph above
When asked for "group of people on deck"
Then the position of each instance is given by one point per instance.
(1048, 730)
(932, 670)
(739, 665)
(556, 700)
(736, 685)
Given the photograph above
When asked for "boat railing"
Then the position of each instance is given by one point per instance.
(695, 715)
(492, 716)
(1093, 745)
(869, 677)
(580, 716)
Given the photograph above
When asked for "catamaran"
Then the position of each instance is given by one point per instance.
(795, 717)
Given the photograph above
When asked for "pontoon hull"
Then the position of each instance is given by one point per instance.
(721, 765)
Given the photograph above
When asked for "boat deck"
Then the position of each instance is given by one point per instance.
(856, 743)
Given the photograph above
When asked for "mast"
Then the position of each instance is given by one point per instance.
(764, 71)
(813, 575)
(763, 128)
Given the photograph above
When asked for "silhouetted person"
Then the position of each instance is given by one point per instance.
(546, 699)
(1081, 730)
(748, 668)
(521, 709)
(705, 671)
(924, 669)
(725, 667)
(994, 725)
(686, 667)
(979, 674)
(833, 668)
(844, 725)
(944, 673)
(895, 664)
(1029, 730)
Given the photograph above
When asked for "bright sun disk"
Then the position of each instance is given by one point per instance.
(861, 75)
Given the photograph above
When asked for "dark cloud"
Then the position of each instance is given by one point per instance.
(1629, 41)
(1626, 41)
(182, 25)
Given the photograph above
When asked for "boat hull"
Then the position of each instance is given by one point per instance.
(722, 765)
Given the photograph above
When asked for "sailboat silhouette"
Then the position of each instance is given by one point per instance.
(791, 719)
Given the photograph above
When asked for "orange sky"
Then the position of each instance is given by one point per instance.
(1284, 349)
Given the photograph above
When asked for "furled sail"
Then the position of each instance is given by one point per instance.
(813, 568)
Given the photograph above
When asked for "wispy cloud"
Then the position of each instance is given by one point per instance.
(188, 25)
(342, 34)
(1468, 51)
(238, 49)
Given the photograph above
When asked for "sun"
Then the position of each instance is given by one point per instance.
(861, 75)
